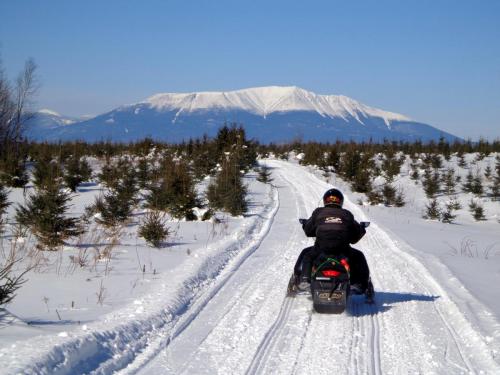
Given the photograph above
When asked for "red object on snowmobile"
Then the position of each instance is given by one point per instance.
(330, 273)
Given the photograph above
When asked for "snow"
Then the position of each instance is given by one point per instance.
(222, 309)
(49, 112)
(266, 100)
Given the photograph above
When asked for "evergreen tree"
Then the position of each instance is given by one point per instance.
(227, 192)
(116, 205)
(153, 229)
(45, 215)
(4, 204)
(264, 174)
(449, 181)
(433, 212)
(174, 192)
(447, 215)
(495, 186)
(477, 210)
(77, 170)
(46, 172)
(431, 183)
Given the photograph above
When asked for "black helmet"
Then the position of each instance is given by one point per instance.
(333, 197)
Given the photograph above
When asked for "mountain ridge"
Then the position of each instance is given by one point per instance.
(269, 114)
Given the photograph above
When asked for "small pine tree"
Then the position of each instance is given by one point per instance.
(175, 192)
(116, 205)
(477, 210)
(153, 228)
(391, 166)
(76, 172)
(414, 174)
(488, 172)
(46, 172)
(449, 181)
(447, 215)
(431, 183)
(461, 161)
(45, 215)
(4, 204)
(264, 174)
(495, 186)
(227, 192)
(433, 212)
(468, 185)
(361, 181)
(375, 197)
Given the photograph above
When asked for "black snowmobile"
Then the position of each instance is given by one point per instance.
(330, 283)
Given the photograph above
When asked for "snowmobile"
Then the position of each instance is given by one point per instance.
(330, 286)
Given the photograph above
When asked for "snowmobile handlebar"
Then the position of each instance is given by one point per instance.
(364, 224)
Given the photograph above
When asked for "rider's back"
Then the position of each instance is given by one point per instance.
(334, 228)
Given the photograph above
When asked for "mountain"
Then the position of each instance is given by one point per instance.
(269, 114)
(45, 122)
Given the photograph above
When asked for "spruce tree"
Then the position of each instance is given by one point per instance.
(4, 204)
(264, 174)
(227, 192)
(431, 183)
(449, 181)
(477, 210)
(77, 170)
(44, 213)
(116, 205)
(153, 228)
(433, 212)
(175, 191)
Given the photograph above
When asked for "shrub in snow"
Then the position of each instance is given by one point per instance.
(495, 186)
(144, 173)
(153, 228)
(449, 181)
(13, 171)
(47, 173)
(44, 213)
(9, 282)
(391, 166)
(477, 210)
(461, 161)
(77, 170)
(4, 203)
(473, 184)
(432, 210)
(227, 192)
(447, 215)
(112, 172)
(414, 174)
(431, 183)
(175, 191)
(116, 205)
(264, 174)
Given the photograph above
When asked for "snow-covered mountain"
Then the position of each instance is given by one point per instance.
(45, 121)
(269, 114)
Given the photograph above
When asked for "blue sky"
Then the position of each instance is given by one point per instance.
(434, 61)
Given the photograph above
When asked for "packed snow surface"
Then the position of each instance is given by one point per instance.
(225, 312)
(266, 100)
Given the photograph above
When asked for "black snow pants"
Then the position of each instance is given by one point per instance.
(360, 273)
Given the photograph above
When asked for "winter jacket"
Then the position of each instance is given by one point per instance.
(334, 228)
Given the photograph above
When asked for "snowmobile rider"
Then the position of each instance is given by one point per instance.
(335, 229)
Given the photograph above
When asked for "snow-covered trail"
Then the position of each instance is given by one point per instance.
(249, 327)
(234, 318)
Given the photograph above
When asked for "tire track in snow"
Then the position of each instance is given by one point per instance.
(264, 350)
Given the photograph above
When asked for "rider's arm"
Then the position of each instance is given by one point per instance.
(357, 231)
(310, 226)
